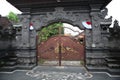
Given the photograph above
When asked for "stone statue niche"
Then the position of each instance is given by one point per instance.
(115, 31)
(114, 38)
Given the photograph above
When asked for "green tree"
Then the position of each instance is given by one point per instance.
(49, 31)
(13, 17)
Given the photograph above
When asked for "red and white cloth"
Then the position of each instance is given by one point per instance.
(31, 26)
(87, 24)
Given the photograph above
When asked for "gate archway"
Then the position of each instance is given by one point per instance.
(62, 49)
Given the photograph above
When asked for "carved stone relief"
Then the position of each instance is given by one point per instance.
(59, 15)
(97, 18)
(72, 17)
(24, 20)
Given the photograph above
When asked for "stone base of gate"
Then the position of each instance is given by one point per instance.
(63, 63)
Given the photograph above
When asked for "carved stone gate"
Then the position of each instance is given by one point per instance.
(72, 15)
(100, 44)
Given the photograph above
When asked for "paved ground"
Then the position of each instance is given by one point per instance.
(56, 73)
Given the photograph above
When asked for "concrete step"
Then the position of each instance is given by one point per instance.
(25, 67)
(97, 69)
(2, 55)
(7, 68)
(13, 59)
(115, 66)
(116, 58)
(105, 69)
(111, 59)
(10, 63)
(114, 71)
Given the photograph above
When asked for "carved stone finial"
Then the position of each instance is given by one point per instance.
(116, 24)
(103, 13)
(115, 31)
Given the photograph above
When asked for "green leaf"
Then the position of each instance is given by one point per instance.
(49, 31)
(13, 17)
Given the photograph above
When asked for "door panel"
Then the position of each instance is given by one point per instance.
(71, 49)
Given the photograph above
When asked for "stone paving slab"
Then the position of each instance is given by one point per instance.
(59, 69)
(56, 73)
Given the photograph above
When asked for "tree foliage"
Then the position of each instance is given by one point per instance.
(13, 17)
(49, 31)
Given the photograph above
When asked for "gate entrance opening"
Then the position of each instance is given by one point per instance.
(61, 48)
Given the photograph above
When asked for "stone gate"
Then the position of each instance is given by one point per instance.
(99, 48)
(96, 42)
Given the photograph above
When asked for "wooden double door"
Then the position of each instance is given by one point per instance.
(61, 48)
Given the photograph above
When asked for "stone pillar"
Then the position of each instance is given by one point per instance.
(25, 31)
(88, 38)
(32, 38)
(33, 48)
(95, 55)
(96, 31)
(26, 53)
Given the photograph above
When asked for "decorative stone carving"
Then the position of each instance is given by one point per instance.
(59, 15)
(103, 13)
(98, 18)
(114, 38)
(25, 20)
